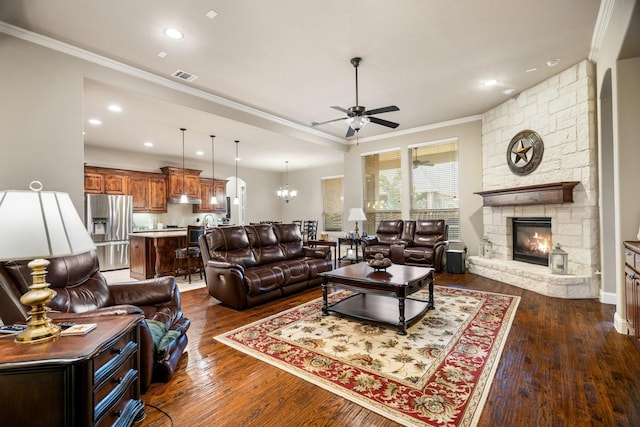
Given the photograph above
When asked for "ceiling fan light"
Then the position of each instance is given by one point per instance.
(358, 122)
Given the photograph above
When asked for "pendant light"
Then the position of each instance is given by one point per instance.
(286, 194)
(214, 200)
(183, 197)
(236, 201)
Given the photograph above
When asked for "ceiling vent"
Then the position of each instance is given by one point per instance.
(183, 75)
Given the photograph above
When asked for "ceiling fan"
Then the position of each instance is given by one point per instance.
(358, 116)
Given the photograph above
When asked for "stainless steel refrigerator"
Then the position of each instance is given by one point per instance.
(109, 220)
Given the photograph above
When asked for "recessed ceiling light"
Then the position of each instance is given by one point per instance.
(553, 62)
(162, 54)
(172, 33)
(115, 108)
(532, 69)
(199, 153)
(212, 14)
(148, 144)
(95, 121)
(508, 91)
(491, 82)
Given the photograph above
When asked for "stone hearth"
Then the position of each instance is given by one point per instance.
(535, 278)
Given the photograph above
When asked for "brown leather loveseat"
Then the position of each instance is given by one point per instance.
(424, 243)
(83, 291)
(252, 264)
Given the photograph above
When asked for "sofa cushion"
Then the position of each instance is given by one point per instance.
(294, 270)
(230, 244)
(429, 232)
(264, 244)
(389, 232)
(318, 265)
(263, 279)
(419, 255)
(290, 240)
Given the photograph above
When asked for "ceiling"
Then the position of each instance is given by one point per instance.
(279, 65)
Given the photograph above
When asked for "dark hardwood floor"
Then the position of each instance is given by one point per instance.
(563, 365)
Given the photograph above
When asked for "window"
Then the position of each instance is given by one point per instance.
(381, 188)
(434, 184)
(332, 203)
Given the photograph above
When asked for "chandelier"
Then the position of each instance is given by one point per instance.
(284, 193)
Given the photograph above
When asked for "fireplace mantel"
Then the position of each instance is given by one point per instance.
(542, 194)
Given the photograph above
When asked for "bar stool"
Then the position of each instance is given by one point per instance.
(189, 260)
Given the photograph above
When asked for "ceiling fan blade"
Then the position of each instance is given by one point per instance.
(350, 132)
(382, 110)
(328, 121)
(382, 122)
(344, 110)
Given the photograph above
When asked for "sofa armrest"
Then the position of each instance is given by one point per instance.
(225, 282)
(145, 292)
(224, 264)
(317, 252)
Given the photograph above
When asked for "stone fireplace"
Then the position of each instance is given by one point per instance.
(562, 189)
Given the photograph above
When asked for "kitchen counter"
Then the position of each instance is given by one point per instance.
(170, 232)
(153, 253)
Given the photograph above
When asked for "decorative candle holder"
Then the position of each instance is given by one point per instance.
(558, 261)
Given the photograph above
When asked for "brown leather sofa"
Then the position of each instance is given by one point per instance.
(423, 243)
(252, 264)
(83, 291)
(389, 233)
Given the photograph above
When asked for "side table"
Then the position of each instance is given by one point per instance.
(84, 380)
(353, 244)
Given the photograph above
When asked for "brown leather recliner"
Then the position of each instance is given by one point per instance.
(83, 291)
(388, 233)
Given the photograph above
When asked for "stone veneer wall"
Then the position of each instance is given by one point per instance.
(562, 111)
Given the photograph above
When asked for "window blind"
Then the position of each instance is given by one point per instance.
(382, 173)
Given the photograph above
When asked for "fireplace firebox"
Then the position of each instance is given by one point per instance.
(531, 240)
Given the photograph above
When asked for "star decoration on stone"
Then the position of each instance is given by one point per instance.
(520, 152)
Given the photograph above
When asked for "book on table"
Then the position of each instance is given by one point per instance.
(79, 329)
(12, 329)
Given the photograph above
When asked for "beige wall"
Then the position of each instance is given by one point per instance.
(469, 135)
(41, 119)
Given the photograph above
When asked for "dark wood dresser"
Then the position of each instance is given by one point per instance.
(631, 285)
(87, 380)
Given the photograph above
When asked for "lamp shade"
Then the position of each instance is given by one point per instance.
(40, 224)
(356, 214)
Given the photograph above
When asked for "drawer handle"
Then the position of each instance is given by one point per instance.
(118, 380)
(118, 413)
(118, 350)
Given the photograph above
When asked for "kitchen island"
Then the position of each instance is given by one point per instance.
(152, 253)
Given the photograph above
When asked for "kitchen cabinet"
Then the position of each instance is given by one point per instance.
(85, 380)
(209, 187)
(149, 191)
(191, 182)
(105, 181)
(632, 286)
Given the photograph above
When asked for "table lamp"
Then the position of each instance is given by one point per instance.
(356, 214)
(37, 225)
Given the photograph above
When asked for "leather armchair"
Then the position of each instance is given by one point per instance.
(389, 233)
(83, 291)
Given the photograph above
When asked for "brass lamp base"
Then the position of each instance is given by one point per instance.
(39, 327)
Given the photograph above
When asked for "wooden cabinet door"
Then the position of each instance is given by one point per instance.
(157, 194)
(139, 189)
(206, 191)
(93, 183)
(115, 184)
(220, 189)
(631, 290)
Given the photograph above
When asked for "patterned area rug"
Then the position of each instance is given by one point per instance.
(439, 374)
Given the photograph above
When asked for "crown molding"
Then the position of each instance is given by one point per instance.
(600, 29)
(419, 129)
(94, 58)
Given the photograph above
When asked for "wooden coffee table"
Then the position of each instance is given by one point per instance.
(381, 296)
